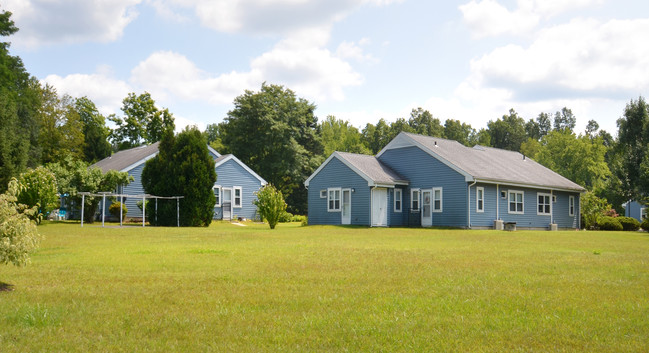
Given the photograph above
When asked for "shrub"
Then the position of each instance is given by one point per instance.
(271, 205)
(18, 234)
(286, 217)
(305, 221)
(629, 223)
(609, 223)
(113, 209)
(645, 224)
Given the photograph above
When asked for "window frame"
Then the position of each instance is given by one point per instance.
(399, 200)
(333, 191)
(479, 191)
(571, 206)
(546, 197)
(323, 193)
(217, 195)
(412, 200)
(441, 200)
(234, 197)
(643, 209)
(509, 202)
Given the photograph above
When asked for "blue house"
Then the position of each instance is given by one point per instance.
(234, 188)
(636, 210)
(428, 181)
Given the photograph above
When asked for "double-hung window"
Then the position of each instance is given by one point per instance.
(237, 196)
(479, 199)
(543, 206)
(437, 199)
(571, 206)
(515, 202)
(217, 194)
(414, 200)
(397, 200)
(333, 199)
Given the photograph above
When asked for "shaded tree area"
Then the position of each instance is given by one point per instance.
(183, 167)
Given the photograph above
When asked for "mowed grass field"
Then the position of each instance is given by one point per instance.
(327, 289)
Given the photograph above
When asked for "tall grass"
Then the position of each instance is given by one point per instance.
(324, 289)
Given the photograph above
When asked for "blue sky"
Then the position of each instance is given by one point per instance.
(359, 60)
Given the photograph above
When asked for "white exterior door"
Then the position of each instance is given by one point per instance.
(379, 207)
(426, 208)
(227, 204)
(347, 207)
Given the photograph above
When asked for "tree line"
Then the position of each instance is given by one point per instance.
(277, 134)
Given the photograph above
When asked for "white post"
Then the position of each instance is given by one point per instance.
(177, 212)
(83, 202)
(156, 210)
(121, 203)
(103, 211)
(143, 208)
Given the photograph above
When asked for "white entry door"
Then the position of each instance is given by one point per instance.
(426, 208)
(379, 207)
(347, 207)
(227, 204)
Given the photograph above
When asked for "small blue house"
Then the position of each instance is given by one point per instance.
(234, 188)
(428, 181)
(635, 210)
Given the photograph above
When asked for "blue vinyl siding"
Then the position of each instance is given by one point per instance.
(231, 174)
(427, 173)
(396, 219)
(134, 188)
(337, 175)
(486, 218)
(560, 213)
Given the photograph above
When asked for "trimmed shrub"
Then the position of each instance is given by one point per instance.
(645, 224)
(609, 223)
(629, 223)
(285, 217)
(113, 209)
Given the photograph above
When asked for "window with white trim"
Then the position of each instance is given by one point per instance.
(323, 194)
(333, 199)
(397, 200)
(437, 199)
(571, 206)
(543, 206)
(479, 199)
(515, 200)
(217, 194)
(414, 200)
(238, 198)
(643, 213)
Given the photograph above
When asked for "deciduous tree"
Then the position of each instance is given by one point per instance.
(339, 135)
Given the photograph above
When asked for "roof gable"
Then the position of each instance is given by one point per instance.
(229, 157)
(368, 167)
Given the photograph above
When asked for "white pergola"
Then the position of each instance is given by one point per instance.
(121, 202)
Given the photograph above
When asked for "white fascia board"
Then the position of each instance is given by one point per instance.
(136, 164)
(403, 140)
(529, 186)
(213, 151)
(243, 165)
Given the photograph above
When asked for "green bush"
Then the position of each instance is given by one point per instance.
(271, 205)
(286, 217)
(629, 223)
(609, 223)
(645, 224)
(113, 209)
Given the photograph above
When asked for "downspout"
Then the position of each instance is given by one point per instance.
(551, 206)
(468, 201)
(497, 202)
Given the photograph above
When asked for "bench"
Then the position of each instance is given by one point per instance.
(510, 226)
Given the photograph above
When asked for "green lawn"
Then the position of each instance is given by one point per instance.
(327, 289)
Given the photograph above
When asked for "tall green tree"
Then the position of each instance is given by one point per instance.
(339, 135)
(458, 131)
(633, 150)
(376, 136)
(213, 136)
(61, 129)
(422, 122)
(564, 120)
(508, 132)
(39, 190)
(183, 167)
(95, 132)
(19, 101)
(142, 123)
(277, 135)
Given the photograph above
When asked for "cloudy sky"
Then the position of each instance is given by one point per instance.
(359, 60)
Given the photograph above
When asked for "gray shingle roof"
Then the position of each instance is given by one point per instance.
(373, 168)
(493, 164)
(123, 159)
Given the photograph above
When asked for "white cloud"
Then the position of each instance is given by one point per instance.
(487, 18)
(351, 50)
(106, 92)
(43, 22)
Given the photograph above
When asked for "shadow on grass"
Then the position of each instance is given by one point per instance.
(6, 287)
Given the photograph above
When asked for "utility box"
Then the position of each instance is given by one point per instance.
(498, 224)
(553, 227)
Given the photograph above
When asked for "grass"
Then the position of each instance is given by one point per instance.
(327, 289)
